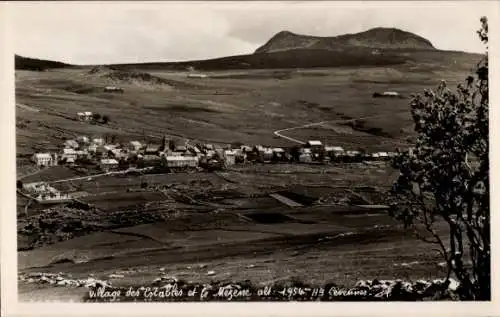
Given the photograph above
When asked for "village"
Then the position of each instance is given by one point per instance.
(99, 155)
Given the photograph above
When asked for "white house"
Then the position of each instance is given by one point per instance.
(82, 153)
(305, 158)
(43, 159)
(82, 139)
(69, 155)
(135, 145)
(171, 153)
(390, 94)
(353, 153)
(71, 144)
(98, 141)
(197, 76)
(113, 89)
(336, 150)
(181, 161)
(383, 155)
(314, 144)
(84, 116)
(229, 157)
(108, 164)
(44, 193)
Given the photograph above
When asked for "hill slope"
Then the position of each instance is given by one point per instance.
(299, 58)
(27, 63)
(382, 38)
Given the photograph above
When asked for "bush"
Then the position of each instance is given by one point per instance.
(105, 119)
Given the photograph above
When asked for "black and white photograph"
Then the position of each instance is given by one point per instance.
(251, 151)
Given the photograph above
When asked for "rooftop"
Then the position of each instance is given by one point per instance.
(314, 142)
(181, 158)
(42, 155)
(69, 151)
(334, 148)
(109, 161)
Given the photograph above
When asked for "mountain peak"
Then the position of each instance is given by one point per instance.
(378, 37)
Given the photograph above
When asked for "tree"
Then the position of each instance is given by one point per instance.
(171, 145)
(19, 184)
(443, 189)
(96, 116)
(295, 152)
(105, 119)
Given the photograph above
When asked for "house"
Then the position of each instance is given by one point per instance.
(84, 116)
(197, 76)
(113, 89)
(69, 155)
(98, 141)
(82, 139)
(314, 144)
(108, 164)
(152, 160)
(278, 154)
(180, 148)
(152, 149)
(210, 153)
(387, 94)
(194, 150)
(72, 144)
(305, 158)
(117, 153)
(209, 147)
(92, 148)
(334, 150)
(135, 145)
(246, 148)
(44, 159)
(353, 153)
(383, 155)
(101, 151)
(229, 157)
(266, 154)
(353, 156)
(181, 161)
(82, 153)
(109, 147)
(170, 153)
(47, 194)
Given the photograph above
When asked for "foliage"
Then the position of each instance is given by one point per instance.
(19, 184)
(105, 119)
(443, 189)
(96, 116)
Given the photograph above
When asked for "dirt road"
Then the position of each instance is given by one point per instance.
(278, 132)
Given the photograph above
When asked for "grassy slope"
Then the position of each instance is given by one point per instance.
(244, 106)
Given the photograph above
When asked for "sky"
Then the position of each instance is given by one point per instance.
(127, 32)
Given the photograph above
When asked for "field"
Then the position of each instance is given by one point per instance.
(188, 224)
(212, 109)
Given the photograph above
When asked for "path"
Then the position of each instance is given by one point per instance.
(25, 107)
(98, 175)
(278, 132)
